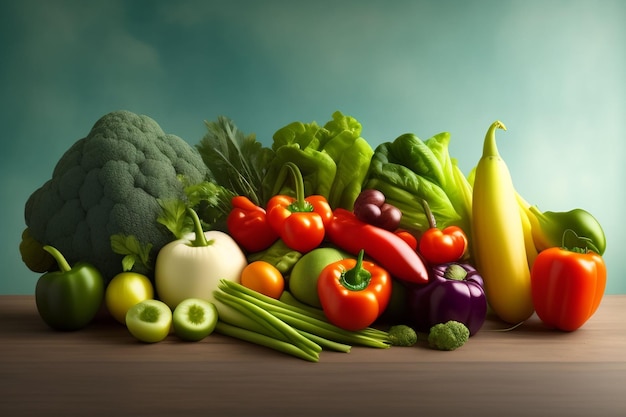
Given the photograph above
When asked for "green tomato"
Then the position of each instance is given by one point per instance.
(149, 321)
(124, 291)
(194, 319)
(304, 275)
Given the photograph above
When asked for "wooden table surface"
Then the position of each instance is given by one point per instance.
(103, 370)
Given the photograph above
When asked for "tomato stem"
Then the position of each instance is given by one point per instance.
(432, 222)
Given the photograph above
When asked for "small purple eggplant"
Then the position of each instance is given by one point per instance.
(454, 292)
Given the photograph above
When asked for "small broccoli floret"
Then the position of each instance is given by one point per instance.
(402, 335)
(448, 336)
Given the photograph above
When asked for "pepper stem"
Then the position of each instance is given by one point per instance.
(64, 266)
(489, 146)
(300, 205)
(455, 272)
(357, 278)
(579, 239)
(200, 239)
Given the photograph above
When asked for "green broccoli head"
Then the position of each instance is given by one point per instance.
(448, 336)
(109, 183)
(402, 335)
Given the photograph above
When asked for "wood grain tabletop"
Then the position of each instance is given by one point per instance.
(103, 370)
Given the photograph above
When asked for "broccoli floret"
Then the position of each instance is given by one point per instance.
(448, 336)
(109, 183)
(402, 335)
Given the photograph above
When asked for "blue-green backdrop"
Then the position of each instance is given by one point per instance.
(553, 71)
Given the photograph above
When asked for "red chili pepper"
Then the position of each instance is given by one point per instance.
(353, 292)
(386, 248)
(567, 286)
(247, 224)
(300, 222)
(441, 246)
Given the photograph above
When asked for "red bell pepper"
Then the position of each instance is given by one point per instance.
(247, 224)
(300, 222)
(386, 248)
(439, 246)
(567, 286)
(353, 292)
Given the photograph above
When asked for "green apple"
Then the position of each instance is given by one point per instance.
(149, 320)
(194, 319)
(303, 277)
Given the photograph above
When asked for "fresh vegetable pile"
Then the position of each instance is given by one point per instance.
(317, 242)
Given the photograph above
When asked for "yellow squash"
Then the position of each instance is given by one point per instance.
(527, 221)
(498, 236)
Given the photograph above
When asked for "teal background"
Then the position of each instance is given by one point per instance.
(552, 71)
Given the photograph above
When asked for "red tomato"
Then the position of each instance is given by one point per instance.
(443, 246)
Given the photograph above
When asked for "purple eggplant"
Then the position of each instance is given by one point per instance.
(454, 292)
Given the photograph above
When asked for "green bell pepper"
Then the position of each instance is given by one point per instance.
(549, 229)
(279, 255)
(70, 298)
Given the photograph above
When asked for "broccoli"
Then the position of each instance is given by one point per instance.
(402, 335)
(448, 336)
(109, 183)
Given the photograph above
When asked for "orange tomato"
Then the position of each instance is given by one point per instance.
(263, 277)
